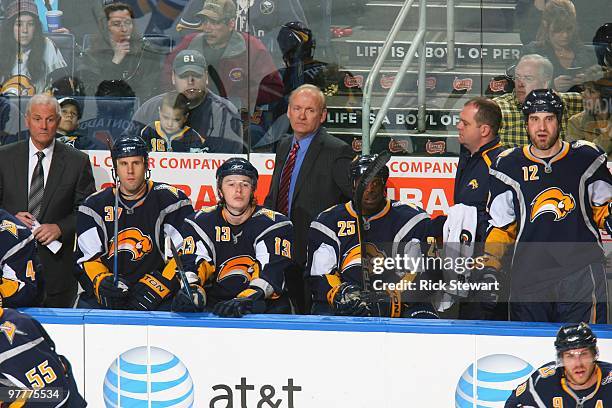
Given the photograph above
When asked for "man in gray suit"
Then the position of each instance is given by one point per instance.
(43, 182)
(311, 173)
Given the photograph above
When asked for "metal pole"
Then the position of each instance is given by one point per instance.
(417, 42)
(450, 34)
(422, 66)
(367, 89)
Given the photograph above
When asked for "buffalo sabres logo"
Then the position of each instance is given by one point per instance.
(68, 140)
(241, 266)
(171, 189)
(552, 200)
(10, 227)
(607, 380)
(473, 184)
(353, 257)
(132, 240)
(268, 213)
(9, 330)
(18, 85)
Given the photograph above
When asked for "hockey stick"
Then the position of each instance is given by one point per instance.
(116, 235)
(115, 219)
(181, 272)
(371, 172)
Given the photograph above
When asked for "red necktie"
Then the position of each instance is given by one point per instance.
(282, 202)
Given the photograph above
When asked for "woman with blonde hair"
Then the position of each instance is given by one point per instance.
(557, 39)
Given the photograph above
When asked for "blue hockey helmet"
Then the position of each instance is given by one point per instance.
(575, 336)
(543, 100)
(295, 41)
(130, 146)
(239, 166)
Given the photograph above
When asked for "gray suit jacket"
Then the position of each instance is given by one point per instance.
(69, 182)
(323, 182)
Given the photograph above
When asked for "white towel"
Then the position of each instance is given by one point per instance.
(458, 234)
(460, 228)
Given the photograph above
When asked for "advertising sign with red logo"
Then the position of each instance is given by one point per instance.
(463, 84)
(437, 147)
(426, 182)
(399, 146)
(386, 81)
(498, 85)
(423, 181)
(353, 81)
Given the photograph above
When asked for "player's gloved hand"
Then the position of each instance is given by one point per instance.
(384, 303)
(348, 301)
(241, 304)
(182, 302)
(148, 292)
(109, 295)
(608, 222)
(489, 290)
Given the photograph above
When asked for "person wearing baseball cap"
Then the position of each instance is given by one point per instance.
(209, 114)
(240, 66)
(68, 132)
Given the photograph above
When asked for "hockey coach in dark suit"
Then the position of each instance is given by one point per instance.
(45, 180)
(311, 174)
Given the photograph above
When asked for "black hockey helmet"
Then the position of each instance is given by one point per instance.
(543, 100)
(602, 41)
(67, 85)
(129, 146)
(360, 164)
(71, 101)
(239, 166)
(115, 88)
(574, 336)
(295, 41)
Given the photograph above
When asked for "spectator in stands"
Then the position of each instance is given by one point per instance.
(170, 133)
(10, 121)
(311, 173)
(209, 115)
(115, 103)
(71, 113)
(120, 53)
(265, 22)
(590, 14)
(532, 72)
(239, 65)
(297, 45)
(594, 124)
(558, 40)
(28, 60)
